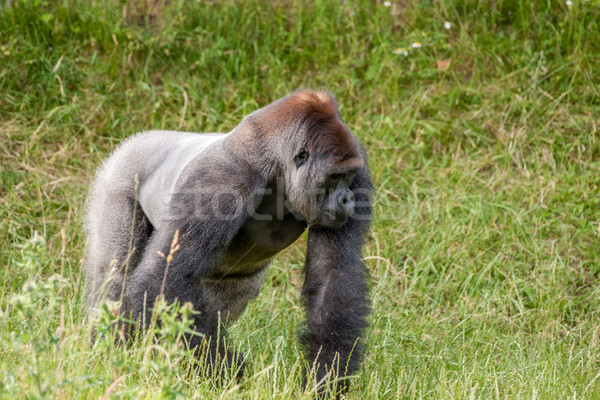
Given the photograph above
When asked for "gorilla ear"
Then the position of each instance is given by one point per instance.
(301, 157)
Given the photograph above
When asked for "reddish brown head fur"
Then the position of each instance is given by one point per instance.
(317, 112)
(326, 133)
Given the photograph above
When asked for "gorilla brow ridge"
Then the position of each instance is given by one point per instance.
(326, 134)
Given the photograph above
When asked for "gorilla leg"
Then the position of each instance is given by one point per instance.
(222, 302)
(229, 297)
(118, 231)
(200, 247)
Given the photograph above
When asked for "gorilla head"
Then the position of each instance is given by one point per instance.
(316, 155)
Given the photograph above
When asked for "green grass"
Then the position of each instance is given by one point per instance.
(484, 253)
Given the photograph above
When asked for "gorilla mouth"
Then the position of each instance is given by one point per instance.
(331, 220)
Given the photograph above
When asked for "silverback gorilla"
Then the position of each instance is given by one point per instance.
(233, 201)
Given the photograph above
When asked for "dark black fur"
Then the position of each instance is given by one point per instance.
(334, 336)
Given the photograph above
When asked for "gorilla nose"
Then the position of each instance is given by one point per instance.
(346, 201)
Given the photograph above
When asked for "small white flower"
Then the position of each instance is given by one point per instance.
(36, 239)
(416, 45)
(569, 3)
(30, 286)
(400, 51)
(447, 25)
(56, 280)
(387, 3)
(20, 300)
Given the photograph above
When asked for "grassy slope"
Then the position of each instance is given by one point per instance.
(484, 252)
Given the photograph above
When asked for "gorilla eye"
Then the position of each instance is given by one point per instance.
(301, 157)
(337, 177)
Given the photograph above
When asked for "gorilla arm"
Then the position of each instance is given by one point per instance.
(335, 291)
(206, 225)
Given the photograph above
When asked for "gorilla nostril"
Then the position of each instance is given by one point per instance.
(346, 200)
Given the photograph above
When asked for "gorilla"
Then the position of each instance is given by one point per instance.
(221, 206)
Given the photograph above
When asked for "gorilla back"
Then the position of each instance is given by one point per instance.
(234, 201)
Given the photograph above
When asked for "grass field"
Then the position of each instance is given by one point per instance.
(484, 148)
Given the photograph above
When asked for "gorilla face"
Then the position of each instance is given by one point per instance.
(338, 203)
(320, 188)
(316, 155)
